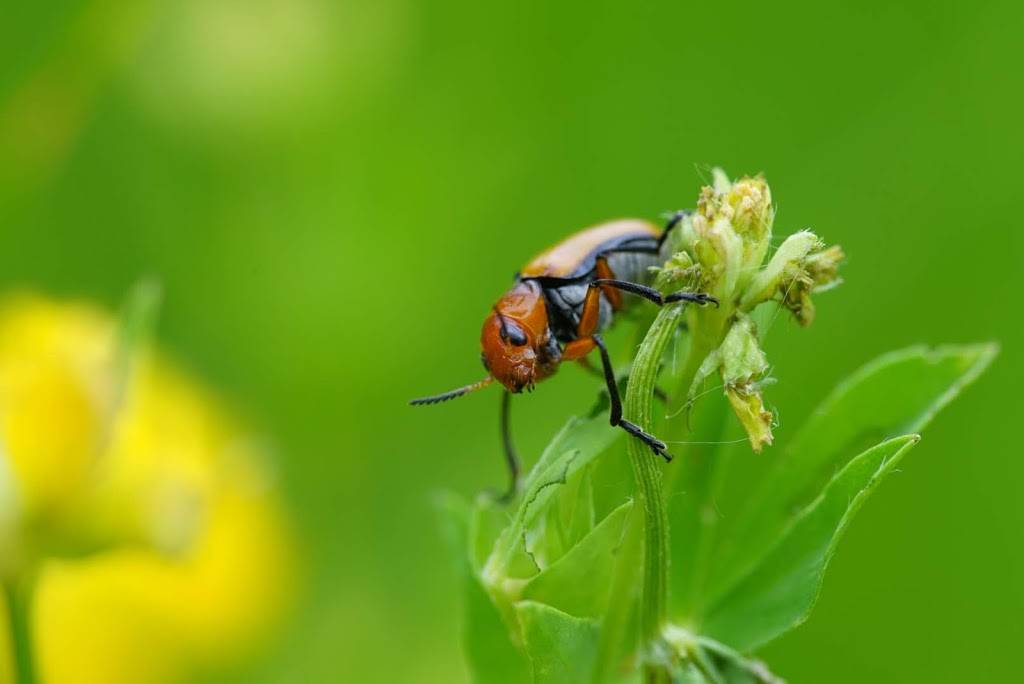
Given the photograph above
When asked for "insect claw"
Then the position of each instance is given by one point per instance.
(701, 298)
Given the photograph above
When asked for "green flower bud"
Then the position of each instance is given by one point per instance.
(798, 268)
(819, 273)
(743, 362)
(724, 245)
(679, 273)
(733, 228)
(743, 366)
(786, 264)
(753, 216)
(719, 250)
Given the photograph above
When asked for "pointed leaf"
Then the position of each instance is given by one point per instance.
(578, 582)
(567, 521)
(589, 436)
(562, 648)
(579, 514)
(897, 393)
(579, 443)
(779, 591)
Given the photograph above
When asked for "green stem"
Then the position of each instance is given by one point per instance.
(647, 472)
(19, 595)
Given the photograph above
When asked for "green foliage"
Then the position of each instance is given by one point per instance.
(898, 393)
(562, 648)
(578, 582)
(551, 594)
(490, 655)
(778, 591)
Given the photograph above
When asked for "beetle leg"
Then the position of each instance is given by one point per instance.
(590, 318)
(611, 287)
(615, 415)
(511, 459)
(604, 273)
(577, 349)
(652, 295)
(673, 221)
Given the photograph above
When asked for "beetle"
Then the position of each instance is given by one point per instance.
(556, 310)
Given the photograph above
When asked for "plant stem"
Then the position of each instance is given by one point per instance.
(19, 597)
(647, 472)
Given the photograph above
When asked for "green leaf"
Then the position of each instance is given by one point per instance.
(562, 648)
(779, 591)
(579, 443)
(577, 509)
(491, 656)
(897, 393)
(589, 436)
(734, 667)
(692, 494)
(578, 582)
(687, 673)
(488, 518)
(619, 625)
(566, 522)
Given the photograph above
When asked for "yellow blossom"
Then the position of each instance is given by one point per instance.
(148, 515)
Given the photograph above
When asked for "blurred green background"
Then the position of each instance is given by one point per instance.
(334, 193)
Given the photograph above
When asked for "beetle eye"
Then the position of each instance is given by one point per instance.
(513, 334)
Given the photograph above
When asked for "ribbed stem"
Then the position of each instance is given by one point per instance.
(647, 473)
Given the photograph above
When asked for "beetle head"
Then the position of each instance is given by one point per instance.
(516, 344)
(518, 348)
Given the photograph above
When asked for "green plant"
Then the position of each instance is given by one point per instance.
(598, 575)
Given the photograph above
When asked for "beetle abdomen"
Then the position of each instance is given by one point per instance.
(575, 256)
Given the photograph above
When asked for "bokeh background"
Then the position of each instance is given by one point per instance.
(334, 193)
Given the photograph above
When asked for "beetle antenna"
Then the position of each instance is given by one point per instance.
(438, 398)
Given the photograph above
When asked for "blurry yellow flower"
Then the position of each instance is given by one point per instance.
(160, 545)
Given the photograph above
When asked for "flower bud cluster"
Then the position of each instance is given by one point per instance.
(724, 251)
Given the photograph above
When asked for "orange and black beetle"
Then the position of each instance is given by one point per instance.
(560, 303)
